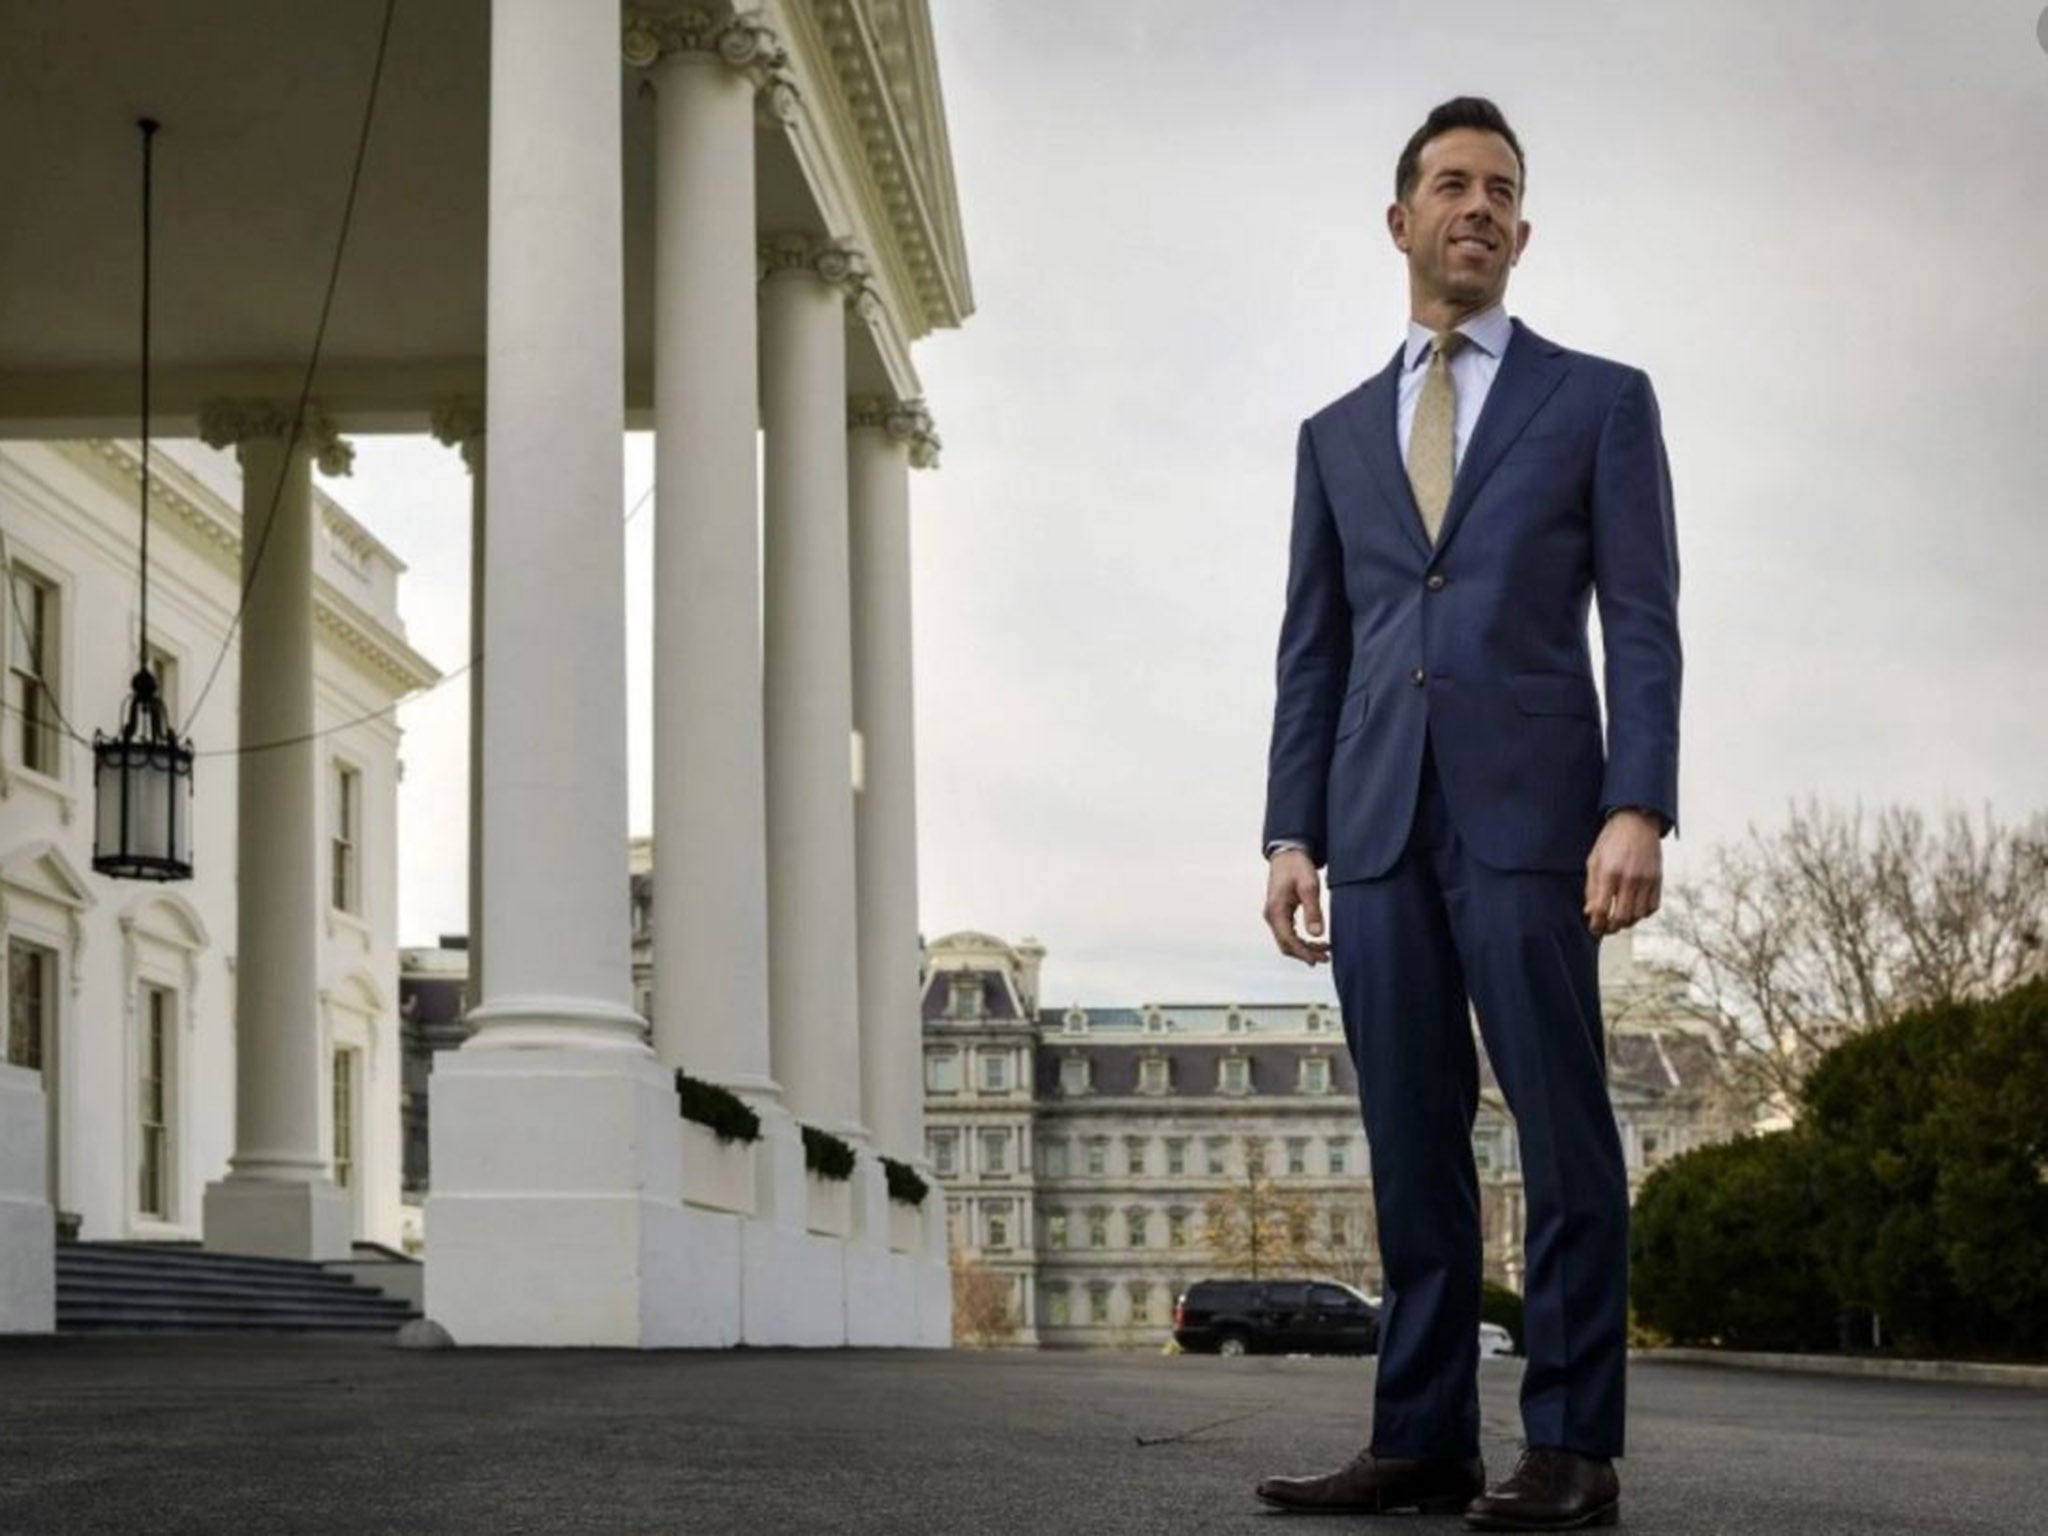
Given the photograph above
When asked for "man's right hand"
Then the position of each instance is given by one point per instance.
(1293, 884)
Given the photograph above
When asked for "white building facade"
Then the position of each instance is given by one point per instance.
(726, 224)
(119, 1014)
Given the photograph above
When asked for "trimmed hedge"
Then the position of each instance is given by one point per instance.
(826, 1155)
(1914, 1187)
(728, 1115)
(905, 1184)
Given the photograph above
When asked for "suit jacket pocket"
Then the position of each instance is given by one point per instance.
(1555, 693)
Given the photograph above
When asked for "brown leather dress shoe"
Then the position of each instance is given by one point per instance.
(1551, 1489)
(1381, 1485)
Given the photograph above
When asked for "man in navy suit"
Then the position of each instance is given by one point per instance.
(1437, 750)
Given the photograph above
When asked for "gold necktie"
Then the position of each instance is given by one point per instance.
(1430, 441)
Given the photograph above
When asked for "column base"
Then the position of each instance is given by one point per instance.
(556, 1214)
(28, 1230)
(277, 1218)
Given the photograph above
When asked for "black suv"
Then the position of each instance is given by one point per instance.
(1237, 1317)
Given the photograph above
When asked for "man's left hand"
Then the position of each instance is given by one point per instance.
(1624, 872)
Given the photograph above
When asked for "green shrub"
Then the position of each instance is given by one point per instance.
(826, 1155)
(1721, 1248)
(727, 1114)
(905, 1183)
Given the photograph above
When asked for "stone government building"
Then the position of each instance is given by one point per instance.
(1077, 1146)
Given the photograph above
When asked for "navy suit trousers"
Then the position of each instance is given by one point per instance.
(1414, 952)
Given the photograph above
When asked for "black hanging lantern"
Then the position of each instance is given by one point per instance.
(143, 776)
(144, 781)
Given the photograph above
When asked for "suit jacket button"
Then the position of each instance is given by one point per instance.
(1417, 676)
(1436, 580)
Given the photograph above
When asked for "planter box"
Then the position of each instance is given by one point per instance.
(718, 1175)
(831, 1205)
(906, 1226)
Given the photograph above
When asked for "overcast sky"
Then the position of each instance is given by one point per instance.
(1821, 228)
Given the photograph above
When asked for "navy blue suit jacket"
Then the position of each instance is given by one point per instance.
(1563, 494)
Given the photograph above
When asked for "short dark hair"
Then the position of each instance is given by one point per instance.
(1458, 112)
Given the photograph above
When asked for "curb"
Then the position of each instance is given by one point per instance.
(1981, 1373)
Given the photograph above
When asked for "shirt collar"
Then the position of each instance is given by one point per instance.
(1488, 330)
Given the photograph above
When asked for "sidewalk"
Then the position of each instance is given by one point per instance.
(311, 1435)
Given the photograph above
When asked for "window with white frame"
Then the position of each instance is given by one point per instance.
(1176, 1229)
(1233, 1074)
(347, 790)
(1216, 1151)
(995, 1216)
(1297, 1154)
(945, 1153)
(1138, 1226)
(1098, 1155)
(995, 1151)
(1338, 1152)
(1098, 1301)
(344, 1087)
(942, 1071)
(1152, 1075)
(153, 1101)
(1055, 1229)
(967, 996)
(1485, 1147)
(1315, 1074)
(1056, 1304)
(34, 680)
(1176, 1155)
(1074, 1074)
(1052, 1158)
(1141, 1301)
(31, 994)
(995, 1071)
(1098, 1228)
(1134, 1154)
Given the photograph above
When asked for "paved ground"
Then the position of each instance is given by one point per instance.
(248, 1436)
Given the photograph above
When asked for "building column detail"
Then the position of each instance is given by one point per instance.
(710, 911)
(278, 1197)
(556, 1213)
(459, 424)
(884, 438)
(813, 939)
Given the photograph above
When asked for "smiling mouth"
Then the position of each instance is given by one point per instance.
(1473, 242)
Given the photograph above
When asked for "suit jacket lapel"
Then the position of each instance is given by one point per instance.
(1374, 420)
(1530, 368)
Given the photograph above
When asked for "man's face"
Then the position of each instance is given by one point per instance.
(1462, 228)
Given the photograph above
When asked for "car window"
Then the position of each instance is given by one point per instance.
(1333, 1296)
(1286, 1296)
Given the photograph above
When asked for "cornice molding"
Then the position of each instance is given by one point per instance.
(230, 423)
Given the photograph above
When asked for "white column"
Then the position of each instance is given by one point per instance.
(554, 694)
(460, 425)
(556, 1215)
(710, 919)
(278, 1197)
(813, 943)
(883, 440)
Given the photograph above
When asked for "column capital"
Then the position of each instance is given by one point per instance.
(907, 422)
(652, 34)
(459, 424)
(840, 263)
(230, 423)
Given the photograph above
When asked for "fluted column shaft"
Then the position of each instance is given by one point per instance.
(880, 444)
(813, 940)
(460, 424)
(554, 698)
(710, 918)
